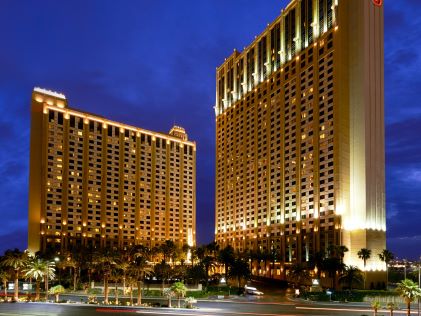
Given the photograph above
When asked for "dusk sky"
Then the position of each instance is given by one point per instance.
(152, 64)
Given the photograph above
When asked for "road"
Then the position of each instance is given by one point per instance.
(206, 308)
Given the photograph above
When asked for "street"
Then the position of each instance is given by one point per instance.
(205, 308)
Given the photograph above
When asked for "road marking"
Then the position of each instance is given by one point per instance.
(247, 302)
(20, 314)
(198, 312)
(353, 310)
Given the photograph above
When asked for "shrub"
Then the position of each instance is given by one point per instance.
(189, 301)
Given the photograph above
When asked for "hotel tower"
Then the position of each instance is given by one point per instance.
(300, 136)
(96, 182)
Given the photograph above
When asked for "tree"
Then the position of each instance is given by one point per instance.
(317, 262)
(104, 261)
(226, 257)
(38, 269)
(375, 305)
(350, 276)
(131, 281)
(122, 266)
(179, 289)
(391, 307)
(239, 270)
(116, 275)
(364, 254)
(4, 277)
(212, 248)
(168, 249)
(56, 291)
(409, 291)
(163, 272)
(139, 268)
(208, 263)
(16, 260)
(298, 274)
(337, 251)
(332, 265)
(386, 256)
(70, 261)
(196, 273)
(168, 293)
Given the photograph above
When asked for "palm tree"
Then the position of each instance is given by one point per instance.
(196, 273)
(104, 261)
(56, 291)
(139, 268)
(163, 272)
(193, 255)
(364, 254)
(39, 269)
(16, 260)
(332, 266)
(239, 270)
(351, 275)
(123, 267)
(410, 291)
(375, 305)
(386, 256)
(208, 263)
(168, 293)
(69, 261)
(116, 275)
(391, 306)
(4, 277)
(131, 281)
(299, 274)
(180, 290)
(212, 248)
(317, 262)
(226, 257)
(168, 249)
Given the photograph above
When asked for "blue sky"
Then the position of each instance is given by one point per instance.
(152, 64)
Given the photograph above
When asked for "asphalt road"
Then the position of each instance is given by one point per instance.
(206, 308)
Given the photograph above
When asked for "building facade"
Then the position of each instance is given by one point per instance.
(300, 136)
(97, 183)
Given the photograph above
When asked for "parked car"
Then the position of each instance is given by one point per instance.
(252, 290)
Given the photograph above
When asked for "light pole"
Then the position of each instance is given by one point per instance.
(46, 281)
(57, 260)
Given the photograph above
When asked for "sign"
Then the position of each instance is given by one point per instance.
(27, 286)
(378, 3)
(315, 282)
(11, 286)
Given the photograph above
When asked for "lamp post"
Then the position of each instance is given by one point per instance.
(57, 260)
(46, 281)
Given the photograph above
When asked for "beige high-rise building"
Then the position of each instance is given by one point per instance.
(300, 136)
(95, 182)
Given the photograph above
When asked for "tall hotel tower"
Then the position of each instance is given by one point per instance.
(300, 135)
(95, 182)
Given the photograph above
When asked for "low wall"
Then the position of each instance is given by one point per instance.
(151, 287)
